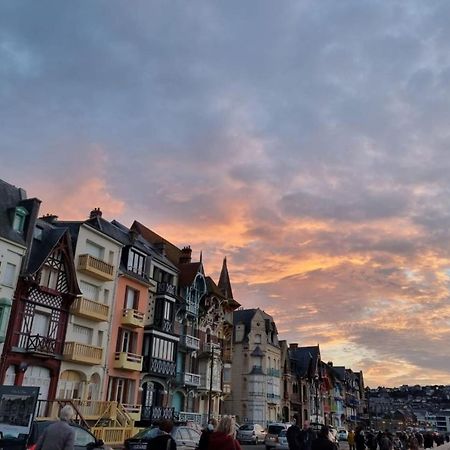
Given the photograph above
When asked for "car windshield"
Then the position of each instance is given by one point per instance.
(247, 427)
(275, 429)
(147, 433)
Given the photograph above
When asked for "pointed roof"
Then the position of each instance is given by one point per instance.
(224, 281)
(305, 359)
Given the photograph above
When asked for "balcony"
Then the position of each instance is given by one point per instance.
(132, 318)
(166, 289)
(190, 342)
(82, 353)
(273, 372)
(206, 385)
(209, 348)
(90, 309)
(156, 366)
(188, 379)
(128, 361)
(95, 267)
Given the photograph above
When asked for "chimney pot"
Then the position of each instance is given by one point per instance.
(186, 255)
(50, 218)
(96, 212)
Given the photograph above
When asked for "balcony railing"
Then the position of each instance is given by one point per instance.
(192, 308)
(90, 309)
(41, 344)
(133, 318)
(188, 379)
(96, 267)
(190, 342)
(82, 353)
(273, 372)
(210, 347)
(153, 413)
(158, 366)
(165, 289)
(134, 411)
(128, 361)
(205, 383)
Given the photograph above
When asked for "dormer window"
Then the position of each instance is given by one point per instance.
(136, 262)
(37, 233)
(20, 215)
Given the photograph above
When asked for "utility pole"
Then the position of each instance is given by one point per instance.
(211, 381)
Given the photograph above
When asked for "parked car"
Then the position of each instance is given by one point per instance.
(342, 434)
(84, 439)
(273, 432)
(251, 432)
(187, 438)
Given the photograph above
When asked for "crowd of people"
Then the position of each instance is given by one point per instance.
(400, 440)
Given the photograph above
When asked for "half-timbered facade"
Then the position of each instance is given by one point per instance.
(36, 337)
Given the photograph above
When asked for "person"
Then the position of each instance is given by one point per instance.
(293, 434)
(385, 441)
(428, 440)
(360, 441)
(164, 440)
(325, 440)
(59, 435)
(351, 439)
(307, 436)
(413, 443)
(223, 437)
(206, 433)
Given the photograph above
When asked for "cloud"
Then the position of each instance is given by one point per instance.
(306, 141)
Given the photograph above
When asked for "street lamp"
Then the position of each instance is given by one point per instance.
(213, 346)
(316, 384)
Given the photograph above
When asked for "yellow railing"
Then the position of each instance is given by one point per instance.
(82, 353)
(113, 435)
(96, 267)
(127, 361)
(132, 318)
(90, 309)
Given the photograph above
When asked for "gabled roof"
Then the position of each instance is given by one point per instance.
(224, 281)
(305, 360)
(257, 351)
(43, 247)
(188, 272)
(245, 317)
(213, 288)
(172, 252)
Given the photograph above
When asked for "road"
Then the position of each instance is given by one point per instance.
(343, 445)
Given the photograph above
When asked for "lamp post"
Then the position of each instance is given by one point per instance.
(316, 384)
(211, 380)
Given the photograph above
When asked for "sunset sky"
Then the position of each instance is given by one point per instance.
(306, 141)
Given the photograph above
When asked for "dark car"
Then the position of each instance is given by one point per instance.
(187, 438)
(84, 439)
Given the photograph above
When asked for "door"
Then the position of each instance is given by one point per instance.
(38, 376)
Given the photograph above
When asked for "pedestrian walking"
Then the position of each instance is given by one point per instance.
(206, 434)
(325, 440)
(293, 435)
(164, 440)
(223, 437)
(59, 435)
(360, 441)
(307, 436)
(428, 440)
(351, 439)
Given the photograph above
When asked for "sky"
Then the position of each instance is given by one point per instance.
(307, 141)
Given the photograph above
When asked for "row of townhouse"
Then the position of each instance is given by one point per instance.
(129, 329)
(273, 381)
(116, 320)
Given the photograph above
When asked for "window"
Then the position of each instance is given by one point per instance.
(162, 349)
(106, 296)
(136, 262)
(126, 341)
(131, 298)
(37, 233)
(95, 250)
(258, 339)
(100, 339)
(49, 277)
(83, 335)
(9, 275)
(167, 310)
(90, 291)
(40, 325)
(20, 215)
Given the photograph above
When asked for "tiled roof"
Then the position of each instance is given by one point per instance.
(188, 272)
(224, 281)
(305, 360)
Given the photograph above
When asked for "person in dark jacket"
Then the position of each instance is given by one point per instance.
(223, 437)
(206, 433)
(307, 436)
(324, 440)
(293, 434)
(164, 441)
(59, 435)
(428, 440)
(360, 441)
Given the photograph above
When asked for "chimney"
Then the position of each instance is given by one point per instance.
(330, 363)
(186, 255)
(293, 346)
(96, 212)
(50, 218)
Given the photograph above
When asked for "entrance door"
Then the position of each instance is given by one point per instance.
(38, 376)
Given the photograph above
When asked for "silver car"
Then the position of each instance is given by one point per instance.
(251, 432)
